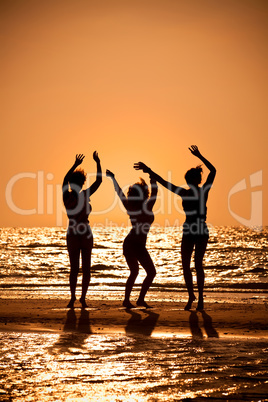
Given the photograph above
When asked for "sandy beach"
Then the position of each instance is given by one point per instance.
(108, 353)
(217, 320)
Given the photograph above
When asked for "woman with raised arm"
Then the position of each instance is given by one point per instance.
(195, 231)
(79, 235)
(139, 206)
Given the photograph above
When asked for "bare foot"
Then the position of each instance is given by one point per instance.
(71, 303)
(143, 304)
(189, 304)
(83, 302)
(127, 304)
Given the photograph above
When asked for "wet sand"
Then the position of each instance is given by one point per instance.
(107, 353)
(218, 320)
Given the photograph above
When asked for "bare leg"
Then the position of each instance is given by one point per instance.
(200, 249)
(86, 265)
(74, 255)
(134, 270)
(187, 246)
(147, 263)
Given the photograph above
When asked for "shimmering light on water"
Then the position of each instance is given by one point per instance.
(130, 367)
(37, 257)
(96, 367)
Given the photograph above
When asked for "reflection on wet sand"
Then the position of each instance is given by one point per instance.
(74, 333)
(140, 322)
(210, 330)
(196, 331)
(194, 326)
(83, 322)
(140, 325)
(139, 364)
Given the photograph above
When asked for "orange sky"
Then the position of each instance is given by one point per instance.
(135, 80)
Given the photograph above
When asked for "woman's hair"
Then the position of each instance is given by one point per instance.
(138, 193)
(78, 178)
(194, 175)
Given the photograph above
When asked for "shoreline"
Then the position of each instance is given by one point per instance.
(166, 318)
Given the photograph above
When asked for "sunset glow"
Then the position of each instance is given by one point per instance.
(136, 81)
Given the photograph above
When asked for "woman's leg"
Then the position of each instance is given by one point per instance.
(147, 263)
(74, 255)
(200, 249)
(134, 270)
(87, 245)
(187, 246)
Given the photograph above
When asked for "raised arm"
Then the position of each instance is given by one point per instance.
(153, 197)
(91, 190)
(175, 189)
(195, 151)
(117, 188)
(78, 160)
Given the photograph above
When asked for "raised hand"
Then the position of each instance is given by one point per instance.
(109, 174)
(79, 159)
(96, 157)
(141, 166)
(195, 151)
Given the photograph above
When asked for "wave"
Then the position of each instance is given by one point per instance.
(258, 270)
(48, 245)
(160, 287)
(101, 267)
(164, 248)
(33, 285)
(37, 245)
(221, 266)
(240, 248)
(248, 285)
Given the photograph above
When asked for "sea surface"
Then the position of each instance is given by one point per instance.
(34, 262)
(78, 365)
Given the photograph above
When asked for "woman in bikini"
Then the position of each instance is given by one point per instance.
(79, 235)
(195, 230)
(139, 206)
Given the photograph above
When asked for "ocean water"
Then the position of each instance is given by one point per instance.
(77, 364)
(34, 262)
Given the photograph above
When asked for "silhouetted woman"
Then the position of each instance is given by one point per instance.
(139, 206)
(79, 235)
(195, 231)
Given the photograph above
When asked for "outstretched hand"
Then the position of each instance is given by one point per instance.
(141, 166)
(96, 157)
(195, 151)
(79, 159)
(109, 174)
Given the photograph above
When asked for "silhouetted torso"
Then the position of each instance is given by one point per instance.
(141, 222)
(77, 207)
(194, 202)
